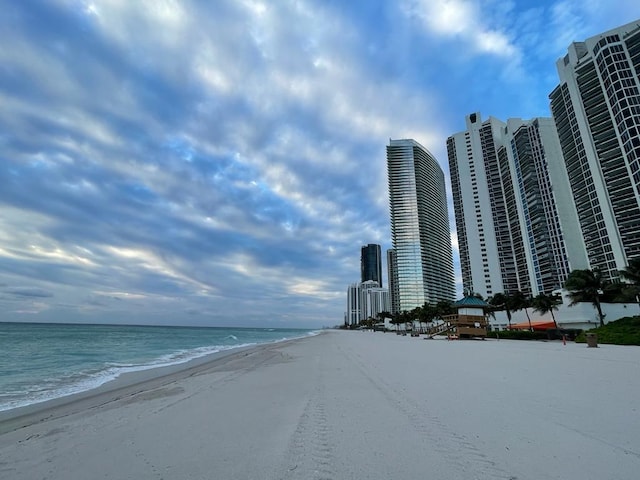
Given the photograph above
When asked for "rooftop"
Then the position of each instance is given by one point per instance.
(470, 302)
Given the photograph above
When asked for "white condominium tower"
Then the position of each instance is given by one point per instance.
(419, 226)
(515, 218)
(366, 300)
(596, 108)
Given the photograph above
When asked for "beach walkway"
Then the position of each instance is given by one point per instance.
(354, 405)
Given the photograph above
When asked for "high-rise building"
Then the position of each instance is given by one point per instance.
(515, 219)
(419, 225)
(596, 108)
(352, 316)
(365, 300)
(392, 272)
(375, 299)
(371, 263)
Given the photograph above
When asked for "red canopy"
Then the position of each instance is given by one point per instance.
(540, 325)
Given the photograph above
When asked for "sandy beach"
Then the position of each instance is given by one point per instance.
(349, 405)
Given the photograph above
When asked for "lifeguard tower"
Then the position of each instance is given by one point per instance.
(471, 319)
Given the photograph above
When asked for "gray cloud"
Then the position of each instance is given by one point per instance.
(221, 162)
(29, 292)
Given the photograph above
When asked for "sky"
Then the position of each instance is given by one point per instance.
(222, 162)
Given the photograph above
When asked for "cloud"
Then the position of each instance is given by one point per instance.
(224, 161)
(463, 19)
(29, 292)
(138, 184)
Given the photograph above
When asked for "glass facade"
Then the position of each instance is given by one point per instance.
(419, 226)
(392, 271)
(371, 263)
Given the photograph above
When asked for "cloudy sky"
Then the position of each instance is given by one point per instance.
(221, 162)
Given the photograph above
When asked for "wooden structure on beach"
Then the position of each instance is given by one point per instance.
(439, 329)
(471, 319)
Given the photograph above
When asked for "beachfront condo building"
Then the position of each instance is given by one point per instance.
(515, 217)
(371, 263)
(596, 108)
(420, 231)
(366, 300)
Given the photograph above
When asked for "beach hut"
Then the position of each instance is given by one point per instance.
(471, 319)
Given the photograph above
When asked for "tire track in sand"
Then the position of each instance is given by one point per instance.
(455, 447)
(311, 454)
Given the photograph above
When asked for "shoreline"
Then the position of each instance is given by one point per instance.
(350, 405)
(126, 384)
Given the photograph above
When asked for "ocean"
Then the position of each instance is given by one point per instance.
(39, 362)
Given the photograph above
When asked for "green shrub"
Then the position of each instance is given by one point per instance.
(625, 331)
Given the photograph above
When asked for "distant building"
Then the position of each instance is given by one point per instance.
(352, 316)
(515, 218)
(371, 263)
(374, 299)
(419, 225)
(596, 108)
(366, 300)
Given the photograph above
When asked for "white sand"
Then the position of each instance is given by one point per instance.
(353, 405)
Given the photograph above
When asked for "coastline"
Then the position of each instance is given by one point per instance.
(352, 405)
(126, 384)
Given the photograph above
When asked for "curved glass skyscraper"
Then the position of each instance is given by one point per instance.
(419, 225)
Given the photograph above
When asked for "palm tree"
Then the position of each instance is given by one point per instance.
(519, 301)
(501, 302)
(416, 314)
(632, 272)
(396, 320)
(586, 286)
(382, 315)
(409, 317)
(632, 275)
(404, 317)
(443, 308)
(544, 303)
(367, 322)
(427, 313)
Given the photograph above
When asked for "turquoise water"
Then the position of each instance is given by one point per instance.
(39, 362)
